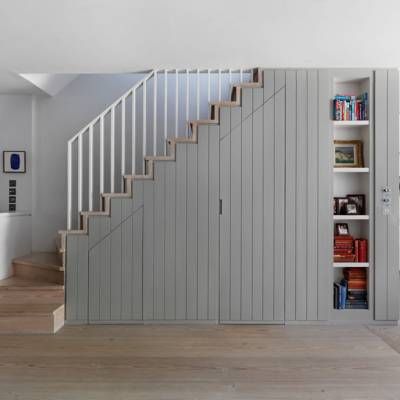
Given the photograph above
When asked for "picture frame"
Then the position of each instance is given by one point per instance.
(14, 162)
(359, 201)
(342, 229)
(351, 209)
(348, 154)
(341, 205)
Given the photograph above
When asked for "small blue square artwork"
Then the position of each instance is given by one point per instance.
(14, 162)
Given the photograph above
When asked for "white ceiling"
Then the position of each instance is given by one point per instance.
(76, 36)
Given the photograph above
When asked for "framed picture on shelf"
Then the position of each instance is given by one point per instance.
(14, 162)
(342, 229)
(359, 201)
(341, 205)
(348, 154)
(351, 209)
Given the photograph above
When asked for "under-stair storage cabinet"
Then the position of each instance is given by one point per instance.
(283, 210)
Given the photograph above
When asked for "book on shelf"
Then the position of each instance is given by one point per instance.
(350, 107)
(347, 249)
(352, 291)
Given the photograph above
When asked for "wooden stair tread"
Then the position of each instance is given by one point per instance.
(17, 283)
(29, 309)
(41, 260)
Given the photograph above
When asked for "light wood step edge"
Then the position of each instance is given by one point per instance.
(49, 267)
(236, 99)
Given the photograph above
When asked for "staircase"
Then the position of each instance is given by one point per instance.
(32, 300)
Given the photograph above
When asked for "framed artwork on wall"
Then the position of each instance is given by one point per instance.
(14, 162)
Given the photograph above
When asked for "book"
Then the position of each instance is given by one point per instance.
(350, 107)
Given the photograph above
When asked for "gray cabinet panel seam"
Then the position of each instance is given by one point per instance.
(116, 227)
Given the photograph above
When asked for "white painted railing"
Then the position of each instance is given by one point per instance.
(138, 124)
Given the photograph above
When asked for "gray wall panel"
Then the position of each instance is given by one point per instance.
(159, 240)
(236, 223)
(213, 223)
(312, 196)
(203, 223)
(290, 196)
(192, 232)
(148, 250)
(279, 200)
(268, 212)
(181, 231)
(170, 236)
(247, 220)
(301, 197)
(225, 227)
(325, 195)
(257, 212)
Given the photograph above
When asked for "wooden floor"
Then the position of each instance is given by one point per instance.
(202, 362)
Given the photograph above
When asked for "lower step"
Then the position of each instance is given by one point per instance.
(15, 290)
(31, 318)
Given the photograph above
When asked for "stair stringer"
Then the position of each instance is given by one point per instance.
(149, 182)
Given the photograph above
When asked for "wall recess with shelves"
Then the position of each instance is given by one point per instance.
(353, 194)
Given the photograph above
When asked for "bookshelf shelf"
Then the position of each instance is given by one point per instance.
(351, 170)
(350, 124)
(350, 264)
(351, 217)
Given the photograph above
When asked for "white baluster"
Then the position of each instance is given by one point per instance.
(230, 76)
(241, 75)
(176, 102)
(112, 150)
(80, 176)
(165, 109)
(90, 186)
(101, 169)
(187, 101)
(208, 86)
(133, 132)
(144, 124)
(123, 139)
(219, 85)
(155, 83)
(198, 94)
(69, 201)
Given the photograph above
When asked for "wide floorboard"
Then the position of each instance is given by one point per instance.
(202, 362)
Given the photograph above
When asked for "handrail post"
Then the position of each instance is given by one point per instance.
(133, 132)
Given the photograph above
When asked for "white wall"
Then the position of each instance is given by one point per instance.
(15, 239)
(57, 119)
(16, 134)
(126, 35)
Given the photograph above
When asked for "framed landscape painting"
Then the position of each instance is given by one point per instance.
(348, 154)
(14, 162)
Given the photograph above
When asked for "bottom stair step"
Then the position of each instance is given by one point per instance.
(31, 318)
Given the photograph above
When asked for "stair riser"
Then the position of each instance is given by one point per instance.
(38, 274)
(27, 324)
(17, 324)
(31, 296)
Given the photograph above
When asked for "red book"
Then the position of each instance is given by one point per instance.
(357, 249)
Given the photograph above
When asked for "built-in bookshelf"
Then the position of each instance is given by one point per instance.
(352, 248)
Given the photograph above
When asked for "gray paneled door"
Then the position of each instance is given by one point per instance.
(252, 186)
(386, 188)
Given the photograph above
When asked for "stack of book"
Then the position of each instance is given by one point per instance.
(361, 250)
(343, 249)
(351, 292)
(356, 282)
(350, 107)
